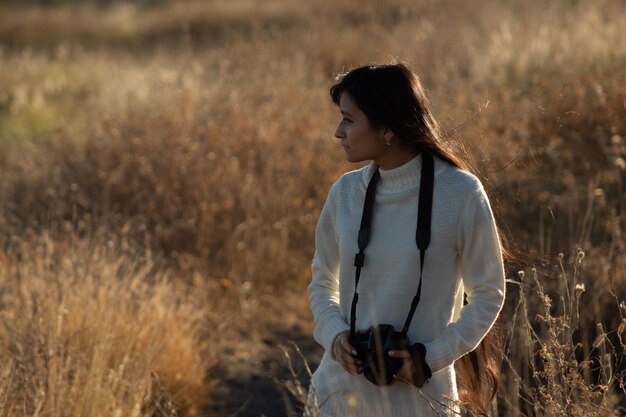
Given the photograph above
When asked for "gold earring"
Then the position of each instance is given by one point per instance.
(388, 143)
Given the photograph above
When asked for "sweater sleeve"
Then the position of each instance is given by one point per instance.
(482, 272)
(324, 286)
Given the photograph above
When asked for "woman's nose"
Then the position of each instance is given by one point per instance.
(339, 133)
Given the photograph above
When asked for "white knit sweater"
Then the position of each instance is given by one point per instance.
(464, 256)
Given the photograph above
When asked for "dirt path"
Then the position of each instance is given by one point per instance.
(247, 379)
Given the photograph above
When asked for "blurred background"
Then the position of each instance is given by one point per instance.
(163, 164)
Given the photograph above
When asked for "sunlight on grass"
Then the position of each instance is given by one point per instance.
(157, 157)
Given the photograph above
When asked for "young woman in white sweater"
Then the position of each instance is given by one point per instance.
(386, 120)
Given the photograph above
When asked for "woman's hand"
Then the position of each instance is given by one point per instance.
(345, 354)
(407, 370)
(414, 369)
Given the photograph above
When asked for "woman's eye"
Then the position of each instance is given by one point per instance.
(346, 120)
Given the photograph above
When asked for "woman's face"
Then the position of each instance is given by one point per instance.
(359, 139)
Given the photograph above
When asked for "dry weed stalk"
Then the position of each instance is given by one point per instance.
(562, 374)
(305, 397)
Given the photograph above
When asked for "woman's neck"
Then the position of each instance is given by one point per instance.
(399, 157)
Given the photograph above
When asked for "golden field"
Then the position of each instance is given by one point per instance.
(163, 164)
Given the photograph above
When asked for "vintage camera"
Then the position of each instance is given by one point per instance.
(373, 346)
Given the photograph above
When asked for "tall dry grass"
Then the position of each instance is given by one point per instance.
(89, 330)
(557, 364)
(201, 133)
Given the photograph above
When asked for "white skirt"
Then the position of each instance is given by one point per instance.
(336, 393)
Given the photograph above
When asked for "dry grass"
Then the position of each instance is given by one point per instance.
(196, 136)
(88, 330)
(557, 364)
(124, 24)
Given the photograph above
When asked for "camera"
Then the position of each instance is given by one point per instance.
(373, 346)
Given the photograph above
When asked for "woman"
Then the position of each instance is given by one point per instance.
(386, 120)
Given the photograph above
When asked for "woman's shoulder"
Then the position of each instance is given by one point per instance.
(354, 179)
(457, 181)
(349, 186)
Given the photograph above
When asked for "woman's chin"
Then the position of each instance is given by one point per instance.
(353, 159)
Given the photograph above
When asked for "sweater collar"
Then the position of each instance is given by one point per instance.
(404, 177)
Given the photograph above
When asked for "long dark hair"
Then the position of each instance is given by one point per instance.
(392, 96)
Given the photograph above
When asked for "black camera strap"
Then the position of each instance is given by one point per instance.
(422, 233)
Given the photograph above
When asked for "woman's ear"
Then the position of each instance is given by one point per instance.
(386, 135)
